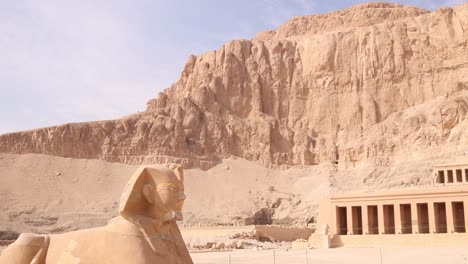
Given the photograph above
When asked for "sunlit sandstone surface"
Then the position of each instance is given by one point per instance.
(145, 232)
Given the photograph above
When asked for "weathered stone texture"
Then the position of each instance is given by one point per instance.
(368, 82)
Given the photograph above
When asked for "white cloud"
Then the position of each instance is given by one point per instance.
(280, 11)
(309, 6)
(452, 3)
(69, 62)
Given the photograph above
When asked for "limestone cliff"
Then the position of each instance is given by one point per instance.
(369, 83)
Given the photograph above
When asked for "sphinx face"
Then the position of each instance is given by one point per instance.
(153, 192)
(168, 194)
(170, 191)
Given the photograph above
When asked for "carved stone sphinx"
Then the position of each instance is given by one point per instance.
(145, 232)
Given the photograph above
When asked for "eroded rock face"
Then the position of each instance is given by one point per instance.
(366, 83)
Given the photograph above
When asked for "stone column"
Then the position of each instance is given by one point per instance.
(446, 176)
(414, 218)
(463, 176)
(465, 213)
(430, 211)
(380, 219)
(365, 220)
(396, 208)
(349, 218)
(449, 212)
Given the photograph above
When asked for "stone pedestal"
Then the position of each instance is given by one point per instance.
(325, 242)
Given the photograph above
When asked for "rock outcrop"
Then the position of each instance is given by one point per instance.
(366, 83)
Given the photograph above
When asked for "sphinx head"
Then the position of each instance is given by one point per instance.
(154, 192)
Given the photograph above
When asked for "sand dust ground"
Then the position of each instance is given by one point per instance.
(389, 255)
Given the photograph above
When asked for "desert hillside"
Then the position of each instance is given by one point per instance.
(41, 193)
(335, 87)
(367, 98)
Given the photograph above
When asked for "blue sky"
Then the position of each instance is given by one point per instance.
(68, 61)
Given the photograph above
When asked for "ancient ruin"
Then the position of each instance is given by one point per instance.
(426, 215)
(145, 232)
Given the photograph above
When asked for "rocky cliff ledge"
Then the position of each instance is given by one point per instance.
(367, 83)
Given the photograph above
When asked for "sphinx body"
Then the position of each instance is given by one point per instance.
(145, 232)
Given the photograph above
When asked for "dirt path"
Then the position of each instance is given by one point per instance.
(400, 255)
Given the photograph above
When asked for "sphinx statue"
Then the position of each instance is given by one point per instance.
(145, 232)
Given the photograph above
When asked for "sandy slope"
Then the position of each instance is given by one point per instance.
(43, 193)
(40, 193)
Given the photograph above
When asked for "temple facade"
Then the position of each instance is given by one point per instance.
(424, 215)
